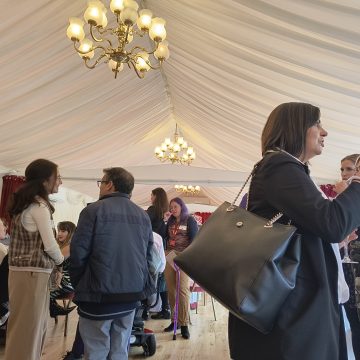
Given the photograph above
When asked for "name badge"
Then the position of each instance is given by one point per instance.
(182, 227)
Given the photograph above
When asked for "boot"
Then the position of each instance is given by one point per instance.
(163, 314)
(185, 332)
(171, 327)
(57, 310)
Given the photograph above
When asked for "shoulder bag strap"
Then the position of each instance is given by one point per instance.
(232, 207)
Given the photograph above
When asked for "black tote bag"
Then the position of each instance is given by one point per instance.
(246, 262)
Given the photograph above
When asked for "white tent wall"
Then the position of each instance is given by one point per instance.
(231, 63)
(68, 204)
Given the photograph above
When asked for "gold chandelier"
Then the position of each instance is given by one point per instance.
(176, 150)
(127, 16)
(188, 189)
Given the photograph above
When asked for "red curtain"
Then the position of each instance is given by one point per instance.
(203, 216)
(10, 184)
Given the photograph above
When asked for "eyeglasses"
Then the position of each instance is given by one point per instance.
(99, 182)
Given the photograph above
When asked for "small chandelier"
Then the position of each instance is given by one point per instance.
(127, 16)
(176, 150)
(188, 189)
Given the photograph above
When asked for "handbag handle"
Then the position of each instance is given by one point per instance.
(232, 207)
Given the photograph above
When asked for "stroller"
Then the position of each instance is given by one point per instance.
(141, 336)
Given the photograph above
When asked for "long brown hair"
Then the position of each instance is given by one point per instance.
(68, 226)
(161, 202)
(287, 126)
(36, 173)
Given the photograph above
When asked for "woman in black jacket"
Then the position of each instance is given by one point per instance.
(159, 213)
(309, 324)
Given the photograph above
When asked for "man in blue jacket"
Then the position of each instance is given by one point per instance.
(110, 255)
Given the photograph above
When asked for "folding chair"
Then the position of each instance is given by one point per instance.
(67, 300)
(195, 288)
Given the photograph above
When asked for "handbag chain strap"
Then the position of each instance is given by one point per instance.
(232, 207)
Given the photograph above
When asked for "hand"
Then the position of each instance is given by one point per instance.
(352, 236)
(58, 278)
(167, 215)
(340, 186)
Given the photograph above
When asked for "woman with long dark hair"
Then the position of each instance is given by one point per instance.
(33, 253)
(158, 216)
(181, 230)
(157, 211)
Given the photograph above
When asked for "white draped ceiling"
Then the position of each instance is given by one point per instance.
(231, 63)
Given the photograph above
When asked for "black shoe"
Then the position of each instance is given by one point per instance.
(164, 314)
(57, 310)
(185, 332)
(70, 356)
(171, 327)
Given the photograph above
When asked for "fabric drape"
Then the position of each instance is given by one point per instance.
(10, 184)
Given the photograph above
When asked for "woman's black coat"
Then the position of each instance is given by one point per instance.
(308, 325)
(158, 224)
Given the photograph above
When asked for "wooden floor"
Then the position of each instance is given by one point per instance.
(208, 337)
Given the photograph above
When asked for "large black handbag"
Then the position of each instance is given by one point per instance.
(246, 262)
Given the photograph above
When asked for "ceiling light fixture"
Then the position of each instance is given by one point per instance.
(125, 31)
(176, 150)
(188, 189)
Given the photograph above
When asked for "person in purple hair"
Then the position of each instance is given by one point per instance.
(181, 230)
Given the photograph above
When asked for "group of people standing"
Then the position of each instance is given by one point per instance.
(110, 253)
(106, 261)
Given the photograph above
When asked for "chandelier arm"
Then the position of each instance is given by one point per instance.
(140, 76)
(142, 49)
(153, 67)
(92, 49)
(97, 39)
(95, 63)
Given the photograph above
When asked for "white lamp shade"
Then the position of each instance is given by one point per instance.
(144, 20)
(162, 52)
(176, 147)
(75, 30)
(157, 30)
(94, 13)
(113, 64)
(86, 47)
(116, 6)
(104, 21)
(131, 4)
(129, 16)
(141, 62)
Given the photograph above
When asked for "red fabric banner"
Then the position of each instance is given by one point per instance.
(10, 184)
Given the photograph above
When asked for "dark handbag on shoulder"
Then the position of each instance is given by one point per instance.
(246, 262)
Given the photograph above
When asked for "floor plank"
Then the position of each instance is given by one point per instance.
(208, 337)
